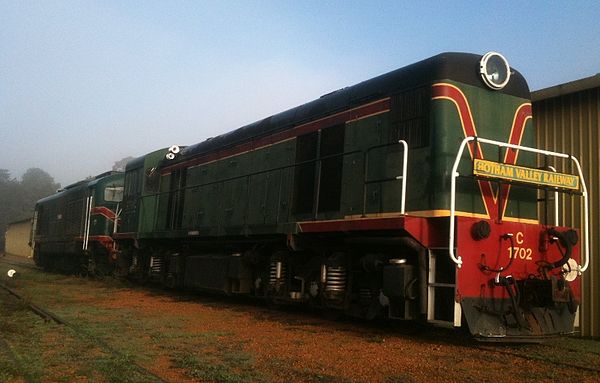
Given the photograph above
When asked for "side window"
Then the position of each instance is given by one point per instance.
(331, 150)
(176, 199)
(409, 113)
(113, 193)
(132, 182)
(152, 180)
(322, 149)
(304, 180)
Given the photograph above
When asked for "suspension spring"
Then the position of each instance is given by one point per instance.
(134, 263)
(156, 265)
(277, 272)
(336, 279)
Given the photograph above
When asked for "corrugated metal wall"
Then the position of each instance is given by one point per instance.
(569, 123)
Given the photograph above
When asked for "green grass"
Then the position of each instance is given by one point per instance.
(214, 361)
(226, 367)
(45, 351)
(307, 375)
(200, 355)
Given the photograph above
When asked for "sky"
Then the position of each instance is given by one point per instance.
(86, 83)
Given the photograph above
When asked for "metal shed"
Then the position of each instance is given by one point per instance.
(567, 118)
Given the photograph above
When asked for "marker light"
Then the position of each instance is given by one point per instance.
(494, 70)
(570, 270)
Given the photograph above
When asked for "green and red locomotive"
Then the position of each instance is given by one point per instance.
(416, 195)
(72, 229)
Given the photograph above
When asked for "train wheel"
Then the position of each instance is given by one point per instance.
(85, 269)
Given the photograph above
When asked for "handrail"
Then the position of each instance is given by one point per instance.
(404, 173)
(586, 219)
(88, 220)
(556, 220)
(454, 175)
(315, 161)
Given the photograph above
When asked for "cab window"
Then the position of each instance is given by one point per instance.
(113, 193)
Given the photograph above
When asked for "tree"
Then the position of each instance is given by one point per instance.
(8, 201)
(4, 176)
(120, 165)
(38, 183)
(35, 184)
(17, 199)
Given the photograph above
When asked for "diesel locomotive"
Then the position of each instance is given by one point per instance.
(415, 195)
(72, 229)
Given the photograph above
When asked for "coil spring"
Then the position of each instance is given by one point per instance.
(156, 265)
(336, 279)
(273, 272)
(134, 263)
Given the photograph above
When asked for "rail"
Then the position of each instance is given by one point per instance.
(49, 316)
(455, 174)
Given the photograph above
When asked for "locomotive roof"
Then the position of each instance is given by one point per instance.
(138, 162)
(461, 67)
(78, 185)
(88, 180)
(135, 163)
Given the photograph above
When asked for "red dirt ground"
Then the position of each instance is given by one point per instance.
(350, 351)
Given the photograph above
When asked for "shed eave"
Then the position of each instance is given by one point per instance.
(566, 88)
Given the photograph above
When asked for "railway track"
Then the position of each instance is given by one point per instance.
(14, 359)
(14, 262)
(82, 334)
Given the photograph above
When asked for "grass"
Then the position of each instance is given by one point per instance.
(38, 351)
(214, 361)
(307, 375)
(50, 352)
(200, 355)
(227, 367)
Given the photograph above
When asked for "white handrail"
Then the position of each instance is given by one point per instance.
(117, 214)
(85, 222)
(404, 171)
(455, 174)
(556, 220)
(586, 219)
(88, 223)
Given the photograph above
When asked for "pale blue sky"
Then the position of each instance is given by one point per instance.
(85, 83)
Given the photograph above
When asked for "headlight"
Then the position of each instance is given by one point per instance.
(494, 70)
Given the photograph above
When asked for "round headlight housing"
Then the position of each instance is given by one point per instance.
(494, 70)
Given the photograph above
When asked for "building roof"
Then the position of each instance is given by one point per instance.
(566, 88)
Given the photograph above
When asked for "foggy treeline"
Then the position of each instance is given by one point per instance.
(18, 197)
